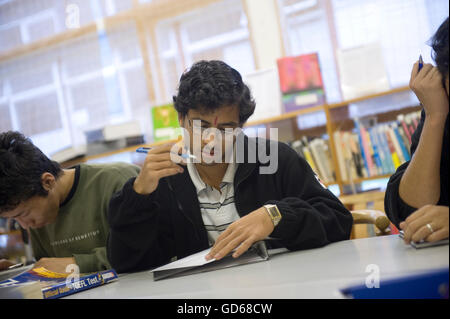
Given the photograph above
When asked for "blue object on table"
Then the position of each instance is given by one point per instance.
(429, 285)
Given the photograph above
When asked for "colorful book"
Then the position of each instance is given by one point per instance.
(386, 151)
(350, 158)
(402, 145)
(308, 156)
(299, 73)
(319, 160)
(394, 155)
(401, 120)
(45, 284)
(378, 156)
(395, 143)
(340, 149)
(301, 82)
(364, 148)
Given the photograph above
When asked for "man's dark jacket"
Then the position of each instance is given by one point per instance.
(147, 231)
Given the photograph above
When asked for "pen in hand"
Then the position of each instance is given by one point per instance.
(420, 63)
(147, 149)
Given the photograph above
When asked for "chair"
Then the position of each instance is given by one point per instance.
(368, 214)
(369, 223)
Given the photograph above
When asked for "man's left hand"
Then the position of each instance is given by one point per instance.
(242, 234)
(58, 265)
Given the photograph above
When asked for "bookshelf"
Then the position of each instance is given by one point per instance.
(337, 117)
(146, 15)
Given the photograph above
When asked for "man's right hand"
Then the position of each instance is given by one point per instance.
(157, 164)
(5, 264)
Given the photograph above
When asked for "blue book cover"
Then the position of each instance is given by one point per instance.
(54, 285)
(401, 143)
(385, 146)
(429, 285)
(376, 152)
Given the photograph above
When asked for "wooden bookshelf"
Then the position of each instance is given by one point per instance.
(328, 129)
(286, 116)
(145, 16)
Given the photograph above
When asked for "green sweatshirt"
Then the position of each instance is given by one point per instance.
(81, 228)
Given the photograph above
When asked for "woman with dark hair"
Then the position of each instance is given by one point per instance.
(417, 194)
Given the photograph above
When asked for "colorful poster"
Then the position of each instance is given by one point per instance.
(301, 82)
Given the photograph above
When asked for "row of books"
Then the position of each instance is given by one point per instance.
(364, 152)
(376, 150)
(317, 153)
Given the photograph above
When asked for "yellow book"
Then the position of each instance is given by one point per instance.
(309, 159)
(396, 160)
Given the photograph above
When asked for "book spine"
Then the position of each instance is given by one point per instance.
(404, 138)
(340, 149)
(401, 120)
(358, 151)
(394, 154)
(318, 160)
(375, 167)
(409, 124)
(365, 149)
(384, 144)
(400, 143)
(376, 151)
(83, 283)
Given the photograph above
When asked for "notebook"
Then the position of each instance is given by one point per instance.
(197, 263)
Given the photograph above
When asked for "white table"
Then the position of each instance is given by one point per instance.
(315, 273)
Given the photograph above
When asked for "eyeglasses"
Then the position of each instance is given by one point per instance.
(200, 125)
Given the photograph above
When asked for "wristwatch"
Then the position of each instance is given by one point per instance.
(274, 213)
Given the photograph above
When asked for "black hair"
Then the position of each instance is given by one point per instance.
(439, 44)
(21, 167)
(213, 84)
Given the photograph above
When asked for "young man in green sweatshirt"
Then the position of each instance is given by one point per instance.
(64, 209)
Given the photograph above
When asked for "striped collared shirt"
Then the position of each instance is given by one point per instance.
(217, 208)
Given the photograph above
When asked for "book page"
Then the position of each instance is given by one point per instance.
(194, 260)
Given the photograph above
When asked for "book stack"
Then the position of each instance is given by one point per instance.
(376, 150)
(316, 152)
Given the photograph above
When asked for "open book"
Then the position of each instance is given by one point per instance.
(197, 263)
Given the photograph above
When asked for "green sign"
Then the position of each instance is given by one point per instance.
(165, 123)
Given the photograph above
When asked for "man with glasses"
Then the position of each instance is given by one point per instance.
(221, 197)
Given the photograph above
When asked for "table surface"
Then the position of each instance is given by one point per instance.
(314, 273)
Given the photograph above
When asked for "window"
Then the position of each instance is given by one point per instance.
(219, 31)
(59, 93)
(307, 30)
(402, 28)
(23, 22)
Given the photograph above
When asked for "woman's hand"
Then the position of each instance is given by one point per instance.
(428, 87)
(415, 226)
